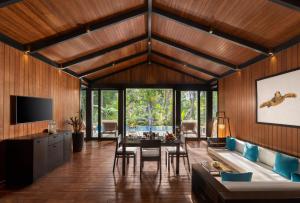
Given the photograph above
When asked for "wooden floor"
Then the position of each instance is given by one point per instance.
(88, 177)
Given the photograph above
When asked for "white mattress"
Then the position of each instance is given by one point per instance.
(261, 172)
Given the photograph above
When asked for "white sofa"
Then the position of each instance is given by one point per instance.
(263, 177)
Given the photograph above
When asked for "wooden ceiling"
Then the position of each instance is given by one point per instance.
(207, 39)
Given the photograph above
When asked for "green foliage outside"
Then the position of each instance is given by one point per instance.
(83, 104)
(149, 107)
(215, 103)
(189, 103)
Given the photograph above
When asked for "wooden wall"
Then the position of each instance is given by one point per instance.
(237, 97)
(146, 74)
(23, 75)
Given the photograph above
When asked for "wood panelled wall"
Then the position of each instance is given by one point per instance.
(237, 97)
(149, 74)
(23, 75)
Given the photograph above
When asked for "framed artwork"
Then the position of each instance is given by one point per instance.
(278, 99)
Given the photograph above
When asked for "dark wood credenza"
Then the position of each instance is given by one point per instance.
(30, 157)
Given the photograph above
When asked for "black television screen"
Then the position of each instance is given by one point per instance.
(31, 109)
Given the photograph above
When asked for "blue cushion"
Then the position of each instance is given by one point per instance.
(236, 177)
(250, 152)
(230, 143)
(285, 165)
(295, 177)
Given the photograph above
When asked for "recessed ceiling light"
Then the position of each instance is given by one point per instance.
(271, 53)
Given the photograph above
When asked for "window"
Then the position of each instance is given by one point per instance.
(215, 104)
(189, 113)
(83, 106)
(202, 114)
(149, 110)
(95, 110)
(109, 113)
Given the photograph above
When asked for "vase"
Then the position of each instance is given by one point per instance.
(77, 141)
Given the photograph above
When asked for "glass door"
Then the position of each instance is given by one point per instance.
(149, 110)
(109, 114)
(95, 114)
(203, 114)
(189, 113)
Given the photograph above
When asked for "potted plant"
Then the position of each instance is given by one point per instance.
(77, 135)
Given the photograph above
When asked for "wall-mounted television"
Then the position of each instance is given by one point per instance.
(30, 109)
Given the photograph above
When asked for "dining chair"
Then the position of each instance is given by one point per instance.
(170, 153)
(150, 150)
(130, 152)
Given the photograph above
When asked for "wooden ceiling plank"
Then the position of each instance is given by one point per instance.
(42, 44)
(199, 69)
(103, 51)
(4, 3)
(292, 4)
(277, 49)
(108, 65)
(195, 52)
(195, 25)
(150, 4)
(119, 71)
(179, 71)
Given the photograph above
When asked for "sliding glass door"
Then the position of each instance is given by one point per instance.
(95, 114)
(189, 113)
(203, 114)
(109, 113)
(149, 110)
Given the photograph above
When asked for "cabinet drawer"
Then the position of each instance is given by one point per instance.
(55, 155)
(40, 157)
(55, 138)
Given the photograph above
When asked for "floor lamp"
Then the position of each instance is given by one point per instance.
(221, 126)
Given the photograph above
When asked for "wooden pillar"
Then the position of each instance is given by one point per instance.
(89, 111)
(209, 119)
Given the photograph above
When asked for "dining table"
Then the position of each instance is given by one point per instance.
(136, 142)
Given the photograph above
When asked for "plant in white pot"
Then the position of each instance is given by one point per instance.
(77, 135)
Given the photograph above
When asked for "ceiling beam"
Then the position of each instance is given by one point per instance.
(103, 51)
(45, 59)
(112, 64)
(197, 68)
(4, 3)
(119, 71)
(195, 52)
(195, 25)
(149, 28)
(11, 42)
(42, 44)
(179, 71)
(292, 4)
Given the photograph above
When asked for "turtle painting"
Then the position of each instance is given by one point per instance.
(277, 99)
